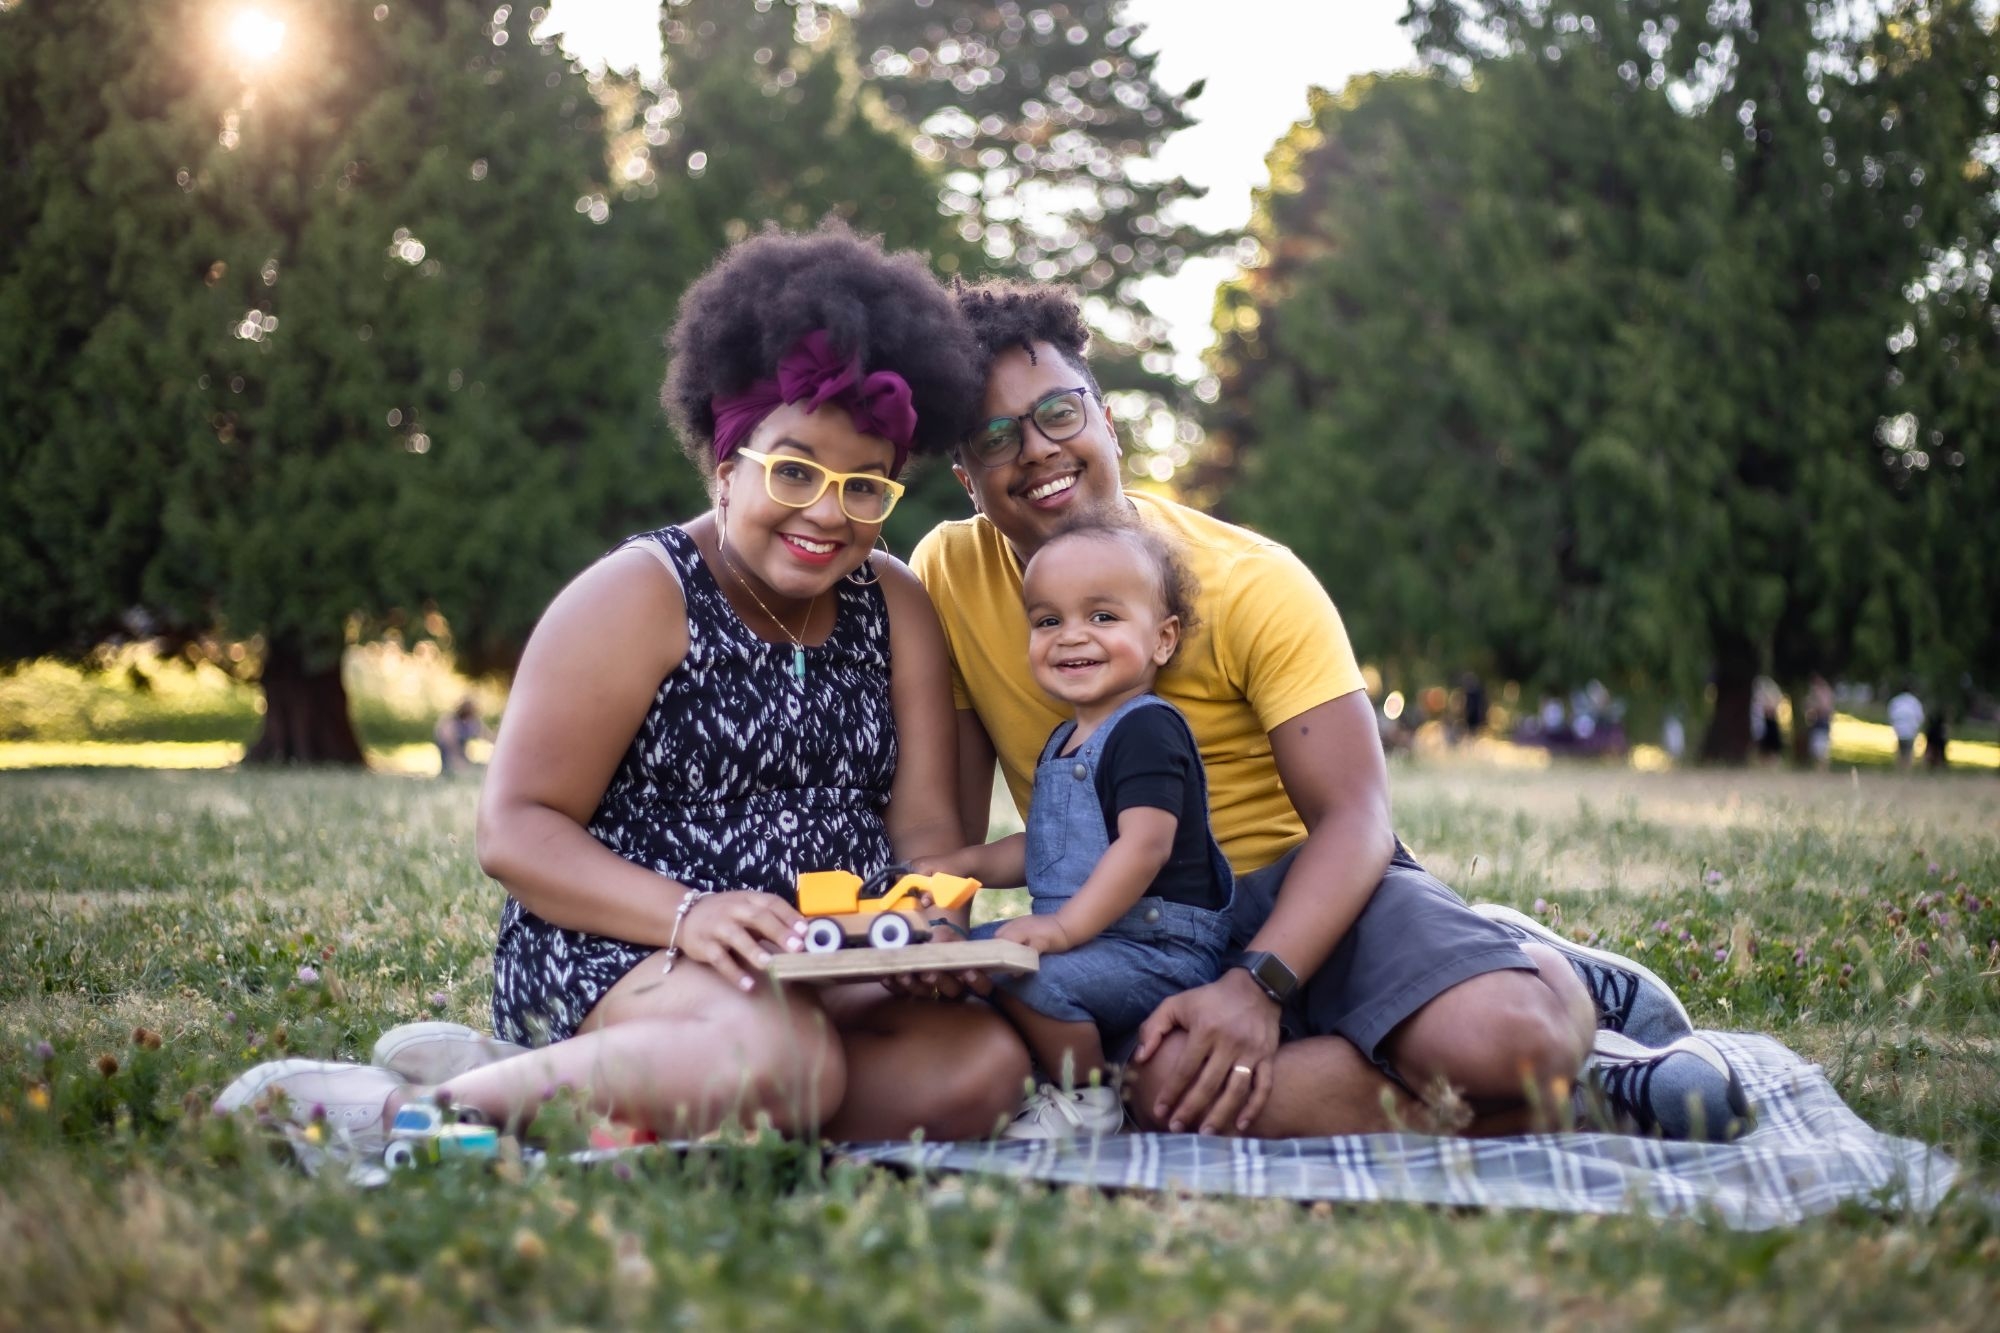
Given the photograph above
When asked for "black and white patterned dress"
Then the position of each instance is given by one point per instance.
(740, 777)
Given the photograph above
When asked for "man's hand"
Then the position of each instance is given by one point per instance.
(1231, 1026)
(1043, 934)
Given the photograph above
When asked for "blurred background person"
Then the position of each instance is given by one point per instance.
(1906, 719)
(454, 733)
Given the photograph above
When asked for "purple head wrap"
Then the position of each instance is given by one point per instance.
(813, 374)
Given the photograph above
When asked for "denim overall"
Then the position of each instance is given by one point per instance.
(1157, 949)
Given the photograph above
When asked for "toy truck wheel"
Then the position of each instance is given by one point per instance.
(823, 936)
(399, 1155)
(889, 931)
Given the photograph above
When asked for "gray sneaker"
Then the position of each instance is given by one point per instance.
(1684, 1090)
(1630, 999)
(436, 1053)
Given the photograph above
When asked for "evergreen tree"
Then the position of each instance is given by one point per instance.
(368, 338)
(315, 325)
(1856, 144)
(1470, 490)
(1613, 351)
(1038, 113)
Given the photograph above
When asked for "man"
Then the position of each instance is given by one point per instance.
(1363, 989)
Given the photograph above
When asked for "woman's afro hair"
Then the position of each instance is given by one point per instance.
(1007, 314)
(767, 292)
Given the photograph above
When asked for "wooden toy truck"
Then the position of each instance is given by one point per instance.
(838, 915)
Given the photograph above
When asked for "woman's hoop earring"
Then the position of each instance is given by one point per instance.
(865, 575)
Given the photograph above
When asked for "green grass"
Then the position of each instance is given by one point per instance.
(153, 928)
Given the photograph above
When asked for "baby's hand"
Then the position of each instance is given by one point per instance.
(1043, 934)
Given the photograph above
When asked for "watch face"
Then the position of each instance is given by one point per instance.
(1270, 972)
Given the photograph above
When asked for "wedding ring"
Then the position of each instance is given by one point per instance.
(1242, 1069)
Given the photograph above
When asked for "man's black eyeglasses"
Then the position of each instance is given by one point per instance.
(1058, 416)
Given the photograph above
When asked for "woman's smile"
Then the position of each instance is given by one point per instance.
(811, 550)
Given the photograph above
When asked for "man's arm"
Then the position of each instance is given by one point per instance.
(1330, 760)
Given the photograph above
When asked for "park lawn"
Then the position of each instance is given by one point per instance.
(161, 930)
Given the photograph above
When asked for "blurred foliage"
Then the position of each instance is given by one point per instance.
(1646, 341)
(134, 695)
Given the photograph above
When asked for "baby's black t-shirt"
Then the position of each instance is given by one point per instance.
(1149, 759)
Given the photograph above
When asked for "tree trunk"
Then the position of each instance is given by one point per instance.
(1937, 739)
(305, 714)
(1728, 737)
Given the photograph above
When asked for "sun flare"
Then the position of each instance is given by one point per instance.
(255, 35)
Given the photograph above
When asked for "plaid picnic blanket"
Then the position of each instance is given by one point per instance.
(1808, 1154)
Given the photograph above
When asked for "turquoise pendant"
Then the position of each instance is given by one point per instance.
(798, 663)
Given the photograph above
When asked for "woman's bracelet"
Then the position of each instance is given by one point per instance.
(680, 915)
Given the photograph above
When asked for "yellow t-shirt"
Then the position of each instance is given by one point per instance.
(1270, 646)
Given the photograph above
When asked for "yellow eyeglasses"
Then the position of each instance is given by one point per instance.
(797, 483)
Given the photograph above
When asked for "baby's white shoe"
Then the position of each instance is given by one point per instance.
(1051, 1113)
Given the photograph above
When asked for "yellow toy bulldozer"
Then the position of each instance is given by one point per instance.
(837, 913)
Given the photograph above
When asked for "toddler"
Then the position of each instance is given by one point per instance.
(1131, 892)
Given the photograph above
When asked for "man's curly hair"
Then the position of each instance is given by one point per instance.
(1006, 314)
(767, 292)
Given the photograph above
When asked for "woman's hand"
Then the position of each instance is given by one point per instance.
(738, 934)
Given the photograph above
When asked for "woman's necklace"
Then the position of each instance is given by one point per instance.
(798, 667)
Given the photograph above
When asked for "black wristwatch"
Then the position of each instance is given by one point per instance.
(1270, 973)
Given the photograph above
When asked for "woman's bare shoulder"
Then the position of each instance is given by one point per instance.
(629, 605)
(899, 583)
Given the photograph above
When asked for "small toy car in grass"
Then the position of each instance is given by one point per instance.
(885, 912)
(420, 1135)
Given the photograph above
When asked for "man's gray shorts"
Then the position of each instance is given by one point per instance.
(1414, 941)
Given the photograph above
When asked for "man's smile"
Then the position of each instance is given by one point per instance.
(1045, 490)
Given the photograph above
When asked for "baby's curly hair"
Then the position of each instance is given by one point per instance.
(767, 292)
(1006, 314)
(1178, 586)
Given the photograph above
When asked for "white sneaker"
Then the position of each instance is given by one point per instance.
(1050, 1113)
(437, 1053)
(348, 1099)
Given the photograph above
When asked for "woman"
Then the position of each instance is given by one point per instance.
(716, 707)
